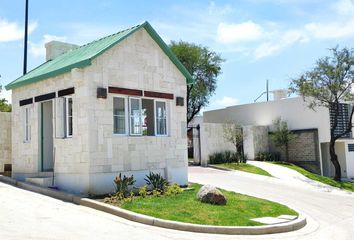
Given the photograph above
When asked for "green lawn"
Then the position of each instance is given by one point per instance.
(185, 207)
(243, 167)
(326, 180)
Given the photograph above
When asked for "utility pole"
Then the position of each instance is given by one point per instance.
(267, 89)
(25, 41)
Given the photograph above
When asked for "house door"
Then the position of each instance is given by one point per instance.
(47, 162)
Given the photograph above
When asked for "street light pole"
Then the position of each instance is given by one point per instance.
(25, 41)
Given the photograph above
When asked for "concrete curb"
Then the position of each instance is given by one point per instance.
(293, 225)
(220, 168)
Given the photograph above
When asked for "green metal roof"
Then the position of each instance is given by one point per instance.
(82, 56)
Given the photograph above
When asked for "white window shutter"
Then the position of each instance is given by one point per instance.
(59, 117)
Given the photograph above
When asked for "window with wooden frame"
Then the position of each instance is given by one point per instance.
(120, 113)
(139, 116)
(135, 126)
(64, 117)
(161, 118)
(69, 116)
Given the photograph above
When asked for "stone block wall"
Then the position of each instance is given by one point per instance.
(88, 161)
(5, 139)
(136, 63)
(303, 150)
(70, 154)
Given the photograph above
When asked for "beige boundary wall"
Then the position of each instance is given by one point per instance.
(89, 160)
(5, 139)
(212, 140)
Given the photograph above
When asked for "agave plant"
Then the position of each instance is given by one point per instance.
(122, 184)
(156, 181)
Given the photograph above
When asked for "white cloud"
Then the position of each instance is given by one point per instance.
(226, 102)
(280, 42)
(339, 25)
(239, 32)
(38, 49)
(213, 9)
(11, 31)
(262, 39)
(344, 7)
(331, 30)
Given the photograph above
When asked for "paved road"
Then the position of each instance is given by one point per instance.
(331, 214)
(27, 215)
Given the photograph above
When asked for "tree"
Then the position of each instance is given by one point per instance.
(281, 136)
(204, 66)
(328, 85)
(233, 133)
(4, 106)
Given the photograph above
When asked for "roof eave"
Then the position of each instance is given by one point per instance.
(55, 73)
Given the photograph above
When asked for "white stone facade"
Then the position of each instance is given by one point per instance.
(88, 161)
(5, 139)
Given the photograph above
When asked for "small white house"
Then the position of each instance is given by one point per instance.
(115, 105)
(309, 149)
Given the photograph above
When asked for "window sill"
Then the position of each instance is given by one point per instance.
(126, 135)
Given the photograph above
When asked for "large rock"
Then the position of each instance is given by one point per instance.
(209, 194)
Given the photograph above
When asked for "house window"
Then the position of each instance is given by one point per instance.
(148, 123)
(161, 119)
(27, 126)
(63, 117)
(135, 116)
(69, 116)
(145, 117)
(119, 115)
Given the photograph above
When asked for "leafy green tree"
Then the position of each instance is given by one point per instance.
(328, 84)
(4, 106)
(205, 66)
(281, 136)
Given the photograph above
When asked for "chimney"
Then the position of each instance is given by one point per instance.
(56, 48)
(279, 94)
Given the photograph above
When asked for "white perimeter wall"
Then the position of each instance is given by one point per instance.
(292, 110)
(5, 139)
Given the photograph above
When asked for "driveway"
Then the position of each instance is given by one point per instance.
(28, 215)
(292, 177)
(330, 214)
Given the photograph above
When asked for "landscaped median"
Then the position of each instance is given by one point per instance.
(183, 211)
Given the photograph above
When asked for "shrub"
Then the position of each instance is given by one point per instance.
(268, 156)
(143, 191)
(122, 185)
(174, 189)
(156, 193)
(242, 158)
(227, 157)
(156, 181)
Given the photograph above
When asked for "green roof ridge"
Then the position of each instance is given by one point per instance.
(82, 56)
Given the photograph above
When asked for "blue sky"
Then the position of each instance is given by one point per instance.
(259, 39)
